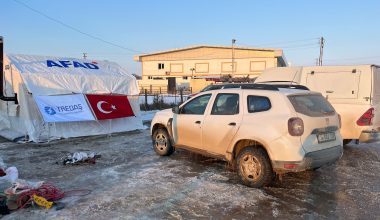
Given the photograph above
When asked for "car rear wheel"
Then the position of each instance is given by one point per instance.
(161, 142)
(254, 168)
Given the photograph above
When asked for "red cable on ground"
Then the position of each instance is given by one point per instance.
(46, 190)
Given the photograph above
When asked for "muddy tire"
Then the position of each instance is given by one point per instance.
(161, 142)
(254, 167)
(346, 141)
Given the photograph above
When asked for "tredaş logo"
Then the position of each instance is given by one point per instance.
(50, 111)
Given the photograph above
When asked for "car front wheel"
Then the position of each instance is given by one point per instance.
(254, 168)
(161, 142)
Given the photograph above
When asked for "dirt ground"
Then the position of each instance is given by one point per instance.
(130, 181)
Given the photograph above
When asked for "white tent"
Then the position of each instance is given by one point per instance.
(41, 76)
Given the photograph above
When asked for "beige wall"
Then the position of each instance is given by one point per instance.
(208, 61)
(244, 66)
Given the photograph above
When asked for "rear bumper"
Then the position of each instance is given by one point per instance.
(369, 136)
(311, 160)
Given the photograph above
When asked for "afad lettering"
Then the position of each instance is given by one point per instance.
(67, 64)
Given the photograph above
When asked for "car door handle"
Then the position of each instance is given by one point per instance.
(232, 124)
(197, 122)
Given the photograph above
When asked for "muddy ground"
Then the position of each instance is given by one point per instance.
(130, 181)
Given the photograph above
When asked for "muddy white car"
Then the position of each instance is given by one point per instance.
(262, 129)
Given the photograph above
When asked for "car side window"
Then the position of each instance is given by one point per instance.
(258, 104)
(196, 106)
(226, 104)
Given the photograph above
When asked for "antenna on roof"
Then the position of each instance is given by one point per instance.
(291, 83)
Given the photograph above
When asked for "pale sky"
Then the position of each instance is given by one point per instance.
(116, 30)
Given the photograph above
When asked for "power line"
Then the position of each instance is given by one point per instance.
(353, 58)
(302, 48)
(75, 29)
(301, 45)
(288, 42)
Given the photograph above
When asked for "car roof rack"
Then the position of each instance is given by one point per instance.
(273, 87)
(290, 86)
(260, 87)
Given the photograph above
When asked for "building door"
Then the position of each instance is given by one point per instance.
(171, 85)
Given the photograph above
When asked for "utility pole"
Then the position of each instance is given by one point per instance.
(84, 55)
(233, 57)
(192, 72)
(321, 45)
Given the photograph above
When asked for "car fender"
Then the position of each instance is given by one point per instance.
(254, 139)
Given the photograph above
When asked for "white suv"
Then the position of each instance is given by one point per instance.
(262, 129)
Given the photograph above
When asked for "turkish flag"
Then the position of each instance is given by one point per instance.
(110, 106)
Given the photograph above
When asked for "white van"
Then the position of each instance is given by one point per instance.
(354, 91)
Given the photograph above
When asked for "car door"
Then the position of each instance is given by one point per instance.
(187, 125)
(222, 123)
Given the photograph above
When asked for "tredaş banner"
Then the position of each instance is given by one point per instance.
(64, 108)
(110, 106)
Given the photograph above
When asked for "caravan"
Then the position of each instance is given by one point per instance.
(45, 98)
(354, 91)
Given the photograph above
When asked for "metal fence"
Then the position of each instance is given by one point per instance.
(164, 90)
(160, 101)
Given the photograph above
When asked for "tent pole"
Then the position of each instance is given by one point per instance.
(2, 97)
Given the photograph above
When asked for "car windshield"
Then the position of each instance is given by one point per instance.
(311, 105)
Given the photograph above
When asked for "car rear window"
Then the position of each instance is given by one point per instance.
(311, 105)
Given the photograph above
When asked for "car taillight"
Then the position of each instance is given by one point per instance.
(290, 166)
(366, 118)
(295, 126)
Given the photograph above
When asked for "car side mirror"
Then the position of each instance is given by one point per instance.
(175, 110)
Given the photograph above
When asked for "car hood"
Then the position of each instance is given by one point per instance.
(165, 112)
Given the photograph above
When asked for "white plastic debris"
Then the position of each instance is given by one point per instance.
(21, 186)
(11, 175)
(80, 157)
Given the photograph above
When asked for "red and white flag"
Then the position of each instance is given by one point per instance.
(110, 106)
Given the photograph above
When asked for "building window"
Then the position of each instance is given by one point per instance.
(150, 77)
(185, 77)
(161, 66)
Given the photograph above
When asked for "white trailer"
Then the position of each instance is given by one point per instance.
(354, 91)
